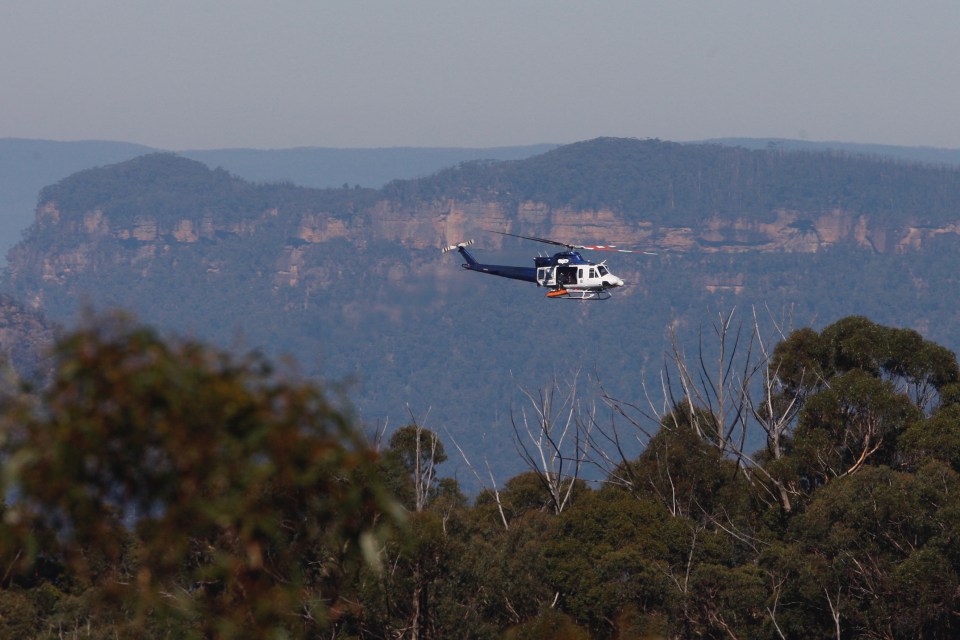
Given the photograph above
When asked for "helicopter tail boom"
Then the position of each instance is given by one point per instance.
(526, 274)
(461, 247)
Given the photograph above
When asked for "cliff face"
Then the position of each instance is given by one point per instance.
(161, 217)
(94, 240)
(439, 224)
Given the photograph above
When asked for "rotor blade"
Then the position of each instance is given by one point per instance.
(544, 240)
(611, 247)
(598, 247)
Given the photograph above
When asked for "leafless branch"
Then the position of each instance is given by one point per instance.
(493, 482)
(543, 437)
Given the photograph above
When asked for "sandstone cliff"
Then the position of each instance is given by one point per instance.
(93, 240)
(166, 217)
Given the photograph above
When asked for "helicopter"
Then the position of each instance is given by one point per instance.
(566, 275)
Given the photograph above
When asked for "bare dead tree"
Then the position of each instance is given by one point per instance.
(713, 395)
(775, 412)
(612, 445)
(422, 452)
(717, 400)
(680, 575)
(776, 590)
(377, 436)
(720, 396)
(493, 481)
(834, 604)
(552, 438)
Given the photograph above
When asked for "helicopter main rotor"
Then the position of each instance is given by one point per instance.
(574, 247)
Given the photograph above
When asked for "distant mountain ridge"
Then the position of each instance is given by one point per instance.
(927, 155)
(660, 195)
(26, 166)
(321, 167)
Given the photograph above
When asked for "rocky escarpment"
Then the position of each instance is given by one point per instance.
(161, 216)
(95, 239)
(442, 223)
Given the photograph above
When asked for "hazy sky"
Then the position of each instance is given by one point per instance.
(192, 74)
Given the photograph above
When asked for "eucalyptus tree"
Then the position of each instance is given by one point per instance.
(191, 486)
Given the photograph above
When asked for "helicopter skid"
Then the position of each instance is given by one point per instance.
(579, 294)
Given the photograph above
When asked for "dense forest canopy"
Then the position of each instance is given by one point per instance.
(162, 488)
(684, 184)
(648, 180)
(169, 187)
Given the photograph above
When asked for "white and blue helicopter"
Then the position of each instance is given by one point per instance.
(566, 275)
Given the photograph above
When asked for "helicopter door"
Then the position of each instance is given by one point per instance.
(546, 276)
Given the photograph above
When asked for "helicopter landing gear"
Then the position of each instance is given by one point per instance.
(579, 294)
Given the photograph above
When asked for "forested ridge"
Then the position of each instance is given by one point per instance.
(167, 186)
(664, 181)
(651, 180)
(163, 488)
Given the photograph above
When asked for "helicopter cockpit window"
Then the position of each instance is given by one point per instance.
(602, 269)
(593, 272)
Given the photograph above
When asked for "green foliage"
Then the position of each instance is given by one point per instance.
(250, 497)
(857, 418)
(798, 362)
(683, 184)
(862, 387)
(729, 599)
(522, 493)
(686, 473)
(549, 625)
(867, 538)
(169, 187)
(160, 488)
(937, 438)
(925, 584)
(603, 556)
(856, 343)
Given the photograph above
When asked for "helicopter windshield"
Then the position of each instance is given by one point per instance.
(602, 269)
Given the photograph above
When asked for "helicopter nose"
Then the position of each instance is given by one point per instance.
(614, 281)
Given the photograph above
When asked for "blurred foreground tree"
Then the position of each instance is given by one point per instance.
(189, 486)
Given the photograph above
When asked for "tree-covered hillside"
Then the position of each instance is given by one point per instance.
(26, 166)
(667, 182)
(167, 187)
(320, 167)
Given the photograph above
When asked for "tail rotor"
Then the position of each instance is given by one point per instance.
(459, 245)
